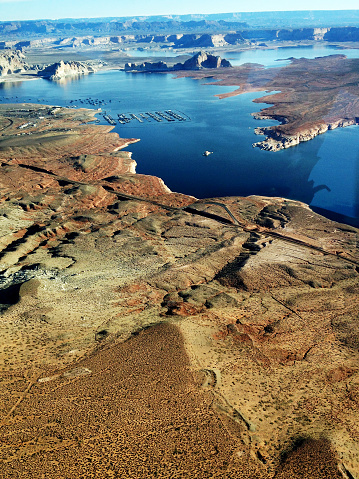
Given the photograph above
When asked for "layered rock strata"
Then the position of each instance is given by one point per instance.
(119, 299)
(12, 62)
(61, 70)
(197, 62)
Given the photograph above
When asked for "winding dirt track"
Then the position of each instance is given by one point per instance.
(191, 209)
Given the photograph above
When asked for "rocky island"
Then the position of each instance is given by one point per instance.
(315, 96)
(145, 332)
(197, 62)
(60, 70)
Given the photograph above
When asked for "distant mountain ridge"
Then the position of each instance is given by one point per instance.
(48, 27)
(221, 22)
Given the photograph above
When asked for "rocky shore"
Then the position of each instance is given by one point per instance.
(313, 96)
(276, 140)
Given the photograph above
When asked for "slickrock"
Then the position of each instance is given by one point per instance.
(60, 70)
(144, 332)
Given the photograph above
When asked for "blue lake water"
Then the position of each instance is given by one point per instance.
(322, 172)
(280, 56)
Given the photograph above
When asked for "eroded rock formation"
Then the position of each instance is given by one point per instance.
(199, 61)
(60, 70)
(202, 60)
(12, 62)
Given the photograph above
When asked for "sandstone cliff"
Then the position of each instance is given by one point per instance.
(174, 24)
(276, 141)
(60, 70)
(202, 60)
(181, 37)
(12, 62)
(343, 34)
(199, 61)
(147, 67)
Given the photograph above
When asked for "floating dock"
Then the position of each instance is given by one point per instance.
(165, 116)
(157, 116)
(109, 119)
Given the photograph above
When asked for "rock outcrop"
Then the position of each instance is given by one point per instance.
(147, 67)
(60, 70)
(12, 62)
(276, 140)
(199, 61)
(207, 40)
(202, 60)
(343, 34)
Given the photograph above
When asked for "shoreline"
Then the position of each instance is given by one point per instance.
(305, 105)
(18, 77)
(276, 141)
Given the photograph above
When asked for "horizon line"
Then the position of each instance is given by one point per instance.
(168, 15)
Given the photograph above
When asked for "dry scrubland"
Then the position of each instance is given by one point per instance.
(148, 334)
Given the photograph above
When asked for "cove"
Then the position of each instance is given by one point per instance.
(322, 172)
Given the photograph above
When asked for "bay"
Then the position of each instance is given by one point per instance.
(322, 172)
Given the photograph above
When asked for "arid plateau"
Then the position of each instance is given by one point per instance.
(145, 333)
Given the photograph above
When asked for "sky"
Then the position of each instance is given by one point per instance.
(54, 9)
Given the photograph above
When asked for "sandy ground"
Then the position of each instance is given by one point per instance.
(133, 410)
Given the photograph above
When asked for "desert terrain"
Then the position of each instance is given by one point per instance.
(146, 333)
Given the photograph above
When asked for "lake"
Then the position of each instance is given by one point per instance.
(322, 172)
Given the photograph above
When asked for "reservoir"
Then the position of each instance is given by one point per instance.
(323, 172)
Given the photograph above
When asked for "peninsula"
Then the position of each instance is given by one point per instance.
(315, 96)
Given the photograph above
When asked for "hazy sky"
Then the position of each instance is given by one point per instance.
(36, 9)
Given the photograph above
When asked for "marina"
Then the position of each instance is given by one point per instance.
(109, 119)
(157, 116)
